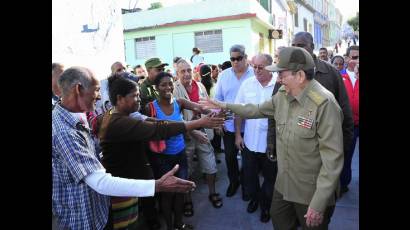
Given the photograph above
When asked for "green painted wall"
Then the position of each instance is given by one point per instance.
(179, 40)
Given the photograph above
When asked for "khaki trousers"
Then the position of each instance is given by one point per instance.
(288, 215)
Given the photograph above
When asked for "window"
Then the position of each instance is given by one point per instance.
(273, 20)
(261, 43)
(305, 24)
(209, 41)
(296, 19)
(145, 47)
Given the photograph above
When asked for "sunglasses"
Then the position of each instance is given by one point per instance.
(355, 57)
(160, 69)
(239, 58)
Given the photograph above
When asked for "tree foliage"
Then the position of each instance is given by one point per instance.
(155, 5)
(354, 22)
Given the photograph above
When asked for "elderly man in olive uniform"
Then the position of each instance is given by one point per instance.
(309, 142)
(331, 79)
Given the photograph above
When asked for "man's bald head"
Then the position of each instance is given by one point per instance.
(117, 67)
(304, 40)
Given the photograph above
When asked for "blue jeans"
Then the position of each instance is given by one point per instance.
(346, 175)
(253, 163)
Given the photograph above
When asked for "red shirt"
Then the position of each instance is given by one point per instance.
(194, 95)
(353, 93)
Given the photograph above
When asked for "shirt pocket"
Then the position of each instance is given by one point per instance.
(250, 95)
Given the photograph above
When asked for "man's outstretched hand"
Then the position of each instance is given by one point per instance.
(170, 183)
(211, 104)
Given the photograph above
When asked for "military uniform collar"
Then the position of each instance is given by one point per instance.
(320, 65)
(148, 82)
(301, 98)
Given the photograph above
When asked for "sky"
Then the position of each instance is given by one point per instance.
(348, 8)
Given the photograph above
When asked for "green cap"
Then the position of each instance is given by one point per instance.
(294, 59)
(154, 62)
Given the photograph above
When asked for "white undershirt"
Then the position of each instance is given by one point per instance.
(352, 77)
(106, 184)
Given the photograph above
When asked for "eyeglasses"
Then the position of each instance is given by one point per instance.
(160, 69)
(239, 58)
(355, 57)
(258, 67)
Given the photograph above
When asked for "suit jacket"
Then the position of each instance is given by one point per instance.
(330, 78)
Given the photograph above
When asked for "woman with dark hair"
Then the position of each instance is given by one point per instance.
(169, 108)
(123, 138)
(206, 79)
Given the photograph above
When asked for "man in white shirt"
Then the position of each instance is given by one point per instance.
(227, 87)
(256, 90)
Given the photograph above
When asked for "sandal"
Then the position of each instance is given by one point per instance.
(188, 209)
(215, 200)
(185, 227)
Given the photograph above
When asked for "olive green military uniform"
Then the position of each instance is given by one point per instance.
(309, 150)
(147, 90)
(147, 93)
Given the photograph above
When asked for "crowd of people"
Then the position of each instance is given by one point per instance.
(123, 148)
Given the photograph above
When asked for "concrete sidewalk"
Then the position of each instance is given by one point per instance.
(233, 214)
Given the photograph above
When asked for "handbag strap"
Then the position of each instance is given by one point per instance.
(152, 109)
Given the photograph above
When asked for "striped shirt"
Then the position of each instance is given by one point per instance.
(75, 204)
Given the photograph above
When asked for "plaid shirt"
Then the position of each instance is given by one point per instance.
(75, 204)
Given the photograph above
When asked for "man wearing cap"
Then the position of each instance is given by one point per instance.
(147, 90)
(309, 142)
(331, 79)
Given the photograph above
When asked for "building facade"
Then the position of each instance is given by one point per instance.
(87, 33)
(304, 17)
(173, 31)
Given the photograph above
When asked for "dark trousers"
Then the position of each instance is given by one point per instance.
(148, 204)
(172, 203)
(253, 163)
(216, 141)
(346, 175)
(288, 215)
(231, 153)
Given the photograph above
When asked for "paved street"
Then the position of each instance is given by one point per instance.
(233, 214)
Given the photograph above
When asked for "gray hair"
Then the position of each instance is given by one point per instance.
(181, 60)
(238, 48)
(268, 58)
(73, 76)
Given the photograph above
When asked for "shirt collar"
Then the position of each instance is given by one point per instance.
(271, 82)
(301, 98)
(71, 118)
(249, 68)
